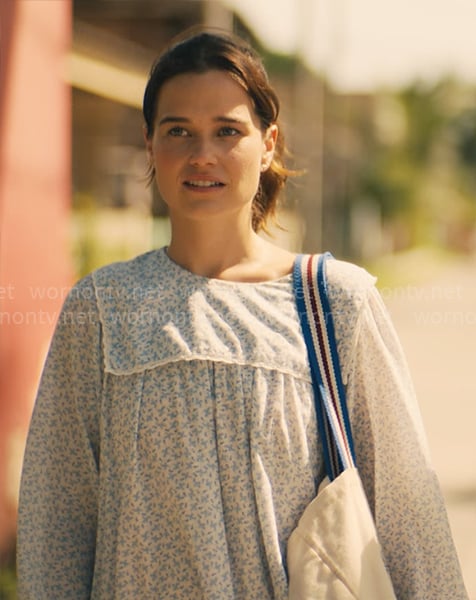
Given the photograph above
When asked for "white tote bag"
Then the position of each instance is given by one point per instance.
(334, 552)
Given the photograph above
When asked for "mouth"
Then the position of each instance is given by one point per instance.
(203, 184)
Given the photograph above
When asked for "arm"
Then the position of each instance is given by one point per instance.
(58, 497)
(393, 460)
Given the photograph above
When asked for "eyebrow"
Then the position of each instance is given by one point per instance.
(219, 119)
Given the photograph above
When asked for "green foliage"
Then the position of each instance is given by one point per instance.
(465, 126)
(389, 182)
(419, 162)
(464, 131)
(103, 235)
(8, 584)
(425, 116)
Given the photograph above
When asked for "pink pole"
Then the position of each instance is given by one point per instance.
(35, 198)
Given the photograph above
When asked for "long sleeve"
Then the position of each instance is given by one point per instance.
(393, 459)
(58, 497)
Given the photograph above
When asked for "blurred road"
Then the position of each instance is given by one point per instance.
(436, 322)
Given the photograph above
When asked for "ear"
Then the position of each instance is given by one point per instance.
(269, 145)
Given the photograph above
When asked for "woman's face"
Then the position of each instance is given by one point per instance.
(208, 148)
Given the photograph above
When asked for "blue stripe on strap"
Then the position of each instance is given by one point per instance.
(299, 293)
(311, 293)
(329, 323)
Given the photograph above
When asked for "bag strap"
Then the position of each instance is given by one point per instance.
(312, 300)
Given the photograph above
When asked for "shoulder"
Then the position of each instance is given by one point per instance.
(347, 282)
(129, 271)
(116, 282)
(349, 287)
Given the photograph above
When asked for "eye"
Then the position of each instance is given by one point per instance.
(228, 131)
(177, 131)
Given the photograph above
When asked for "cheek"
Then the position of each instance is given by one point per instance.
(248, 176)
(249, 156)
(165, 155)
(165, 164)
(254, 162)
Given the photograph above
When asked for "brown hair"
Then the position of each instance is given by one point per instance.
(202, 51)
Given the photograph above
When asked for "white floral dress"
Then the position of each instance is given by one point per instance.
(173, 444)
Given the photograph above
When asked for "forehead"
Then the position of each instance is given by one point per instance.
(208, 92)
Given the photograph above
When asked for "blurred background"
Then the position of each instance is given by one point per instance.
(379, 107)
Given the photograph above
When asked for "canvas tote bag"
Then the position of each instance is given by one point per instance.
(334, 552)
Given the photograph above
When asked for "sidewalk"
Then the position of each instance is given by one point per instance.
(436, 322)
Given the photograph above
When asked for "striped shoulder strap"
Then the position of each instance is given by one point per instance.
(311, 293)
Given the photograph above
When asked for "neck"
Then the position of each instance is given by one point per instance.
(227, 252)
(209, 251)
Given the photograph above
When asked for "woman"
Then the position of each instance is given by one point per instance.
(173, 445)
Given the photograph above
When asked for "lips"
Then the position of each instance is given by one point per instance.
(203, 183)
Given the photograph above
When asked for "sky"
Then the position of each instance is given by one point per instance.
(364, 44)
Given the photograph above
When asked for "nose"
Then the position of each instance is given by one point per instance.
(203, 152)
